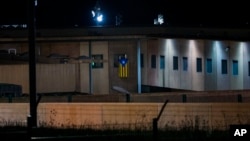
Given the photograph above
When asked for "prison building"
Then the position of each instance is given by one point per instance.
(95, 59)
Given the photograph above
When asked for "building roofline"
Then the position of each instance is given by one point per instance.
(104, 33)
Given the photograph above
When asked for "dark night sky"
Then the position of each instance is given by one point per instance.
(68, 13)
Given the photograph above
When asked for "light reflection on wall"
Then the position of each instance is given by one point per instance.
(216, 50)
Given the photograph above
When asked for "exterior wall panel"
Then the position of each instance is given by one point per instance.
(55, 78)
(222, 79)
(198, 78)
(210, 53)
(15, 74)
(84, 69)
(164, 73)
(186, 76)
(100, 76)
(174, 75)
(245, 67)
(144, 69)
(236, 54)
(153, 73)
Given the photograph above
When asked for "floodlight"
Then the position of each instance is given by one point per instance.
(159, 20)
(93, 13)
(99, 18)
(96, 13)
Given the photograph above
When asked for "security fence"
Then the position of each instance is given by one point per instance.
(176, 97)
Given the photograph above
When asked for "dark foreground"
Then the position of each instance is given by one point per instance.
(47, 134)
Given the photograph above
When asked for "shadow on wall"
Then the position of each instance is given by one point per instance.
(150, 89)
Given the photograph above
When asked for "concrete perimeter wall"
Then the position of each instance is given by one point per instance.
(129, 115)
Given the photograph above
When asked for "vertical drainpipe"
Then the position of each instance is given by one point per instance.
(90, 69)
(139, 66)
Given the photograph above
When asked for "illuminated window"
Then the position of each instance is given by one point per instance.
(235, 67)
(198, 64)
(162, 62)
(185, 63)
(209, 65)
(175, 63)
(97, 61)
(224, 66)
(249, 68)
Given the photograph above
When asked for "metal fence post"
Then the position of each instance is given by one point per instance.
(155, 129)
(155, 122)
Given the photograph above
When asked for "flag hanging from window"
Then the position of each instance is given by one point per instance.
(123, 66)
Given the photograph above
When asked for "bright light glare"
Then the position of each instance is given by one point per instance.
(99, 18)
(93, 13)
(159, 20)
(97, 15)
